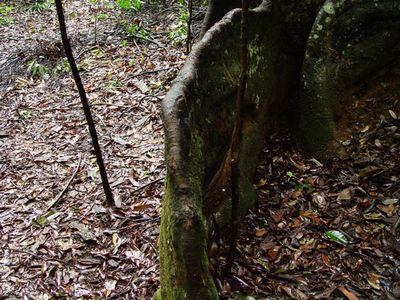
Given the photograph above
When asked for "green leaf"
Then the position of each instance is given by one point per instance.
(26, 114)
(336, 236)
(137, 5)
(289, 174)
(127, 5)
(41, 220)
(124, 5)
(373, 216)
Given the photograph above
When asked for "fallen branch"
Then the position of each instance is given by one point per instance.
(86, 50)
(57, 199)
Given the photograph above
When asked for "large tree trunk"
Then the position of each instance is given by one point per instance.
(217, 9)
(350, 42)
(287, 51)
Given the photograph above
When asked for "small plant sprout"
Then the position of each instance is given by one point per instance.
(36, 69)
(39, 6)
(5, 10)
(128, 5)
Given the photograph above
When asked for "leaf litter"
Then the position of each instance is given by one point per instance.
(57, 239)
(326, 231)
(318, 232)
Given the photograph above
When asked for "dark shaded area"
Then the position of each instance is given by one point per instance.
(284, 251)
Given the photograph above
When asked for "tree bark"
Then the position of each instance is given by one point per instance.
(216, 10)
(299, 61)
(198, 116)
(350, 42)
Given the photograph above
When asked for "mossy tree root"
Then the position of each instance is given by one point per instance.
(350, 42)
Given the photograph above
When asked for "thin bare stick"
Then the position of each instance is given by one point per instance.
(62, 261)
(148, 72)
(189, 27)
(57, 199)
(85, 103)
(146, 40)
(146, 185)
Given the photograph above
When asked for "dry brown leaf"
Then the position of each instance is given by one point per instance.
(347, 293)
(140, 206)
(295, 194)
(277, 215)
(369, 171)
(319, 200)
(326, 260)
(365, 129)
(260, 232)
(346, 194)
(288, 290)
(273, 252)
(387, 209)
(267, 245)
(374, 280)
(392, 114)
(297, 223)
(299, 166)
(378, 143)
(325, 294)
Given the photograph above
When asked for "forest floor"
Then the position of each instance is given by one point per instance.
(319, 231)
(327, 231)
(57, 238)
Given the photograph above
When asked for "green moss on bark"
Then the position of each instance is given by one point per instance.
(183, 237)
(344, 49)
(198, 116)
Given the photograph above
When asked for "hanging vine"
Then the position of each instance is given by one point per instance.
(237, 136)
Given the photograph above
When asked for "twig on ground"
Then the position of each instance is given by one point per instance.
(86, 50)
(146, 185)
(396, 225)
(85, 103)
(146, 39)
(62, 261)
(148, 72)
(57, 199)
(140, 50)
